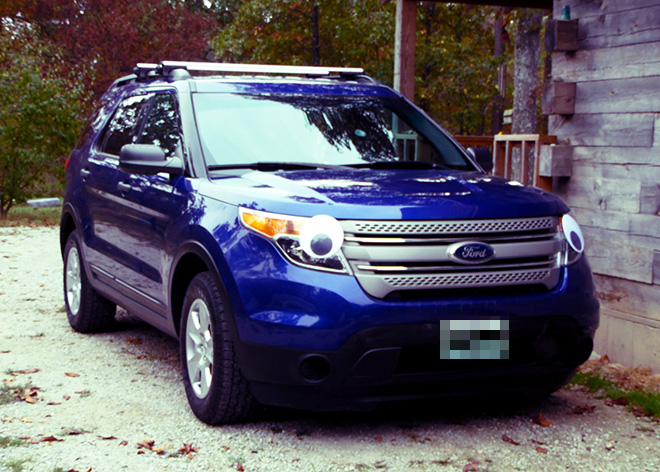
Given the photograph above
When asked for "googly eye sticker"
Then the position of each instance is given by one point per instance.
(573, 233)
(321, 236)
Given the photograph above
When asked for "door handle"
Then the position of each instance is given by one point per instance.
(85, 173)
(124, 187)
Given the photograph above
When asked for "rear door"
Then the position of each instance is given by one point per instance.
(132, 211)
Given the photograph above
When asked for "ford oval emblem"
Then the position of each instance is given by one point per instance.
(470, 252)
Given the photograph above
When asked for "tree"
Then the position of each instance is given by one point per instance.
(455, 64)
(311, 32)
(528, 39)
(101, 39)
(39, 115)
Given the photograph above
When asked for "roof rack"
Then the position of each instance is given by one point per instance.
(165, 68)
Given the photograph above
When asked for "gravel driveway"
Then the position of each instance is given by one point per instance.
(115, 402)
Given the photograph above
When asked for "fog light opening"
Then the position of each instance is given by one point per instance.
(315, 368)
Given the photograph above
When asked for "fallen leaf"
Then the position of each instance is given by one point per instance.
(378, 438)
(25, 419)
(638, 411)
(29, 395)
(75, 432)
(146, 443)
(541, 421)
(106, 438)
(50, 439)
(189, 449)
(141, 451)
(623, 401)
(534, 441)
(240, 467)
(71, 374)
(123, 443)
(27, 371)
(541, 450)
(581, 409)
(225, 448)
(295, 460)
(506, 438)
(53, 403)
(472, 466)
(610, 445)
(4, 352)
(134, 341)
(160, 450)
(66, 397)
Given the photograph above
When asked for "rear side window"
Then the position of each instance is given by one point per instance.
(124, 127)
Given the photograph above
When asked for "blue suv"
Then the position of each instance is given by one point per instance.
(314, 240)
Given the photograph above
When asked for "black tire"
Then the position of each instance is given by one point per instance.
(216, 389)
(86, 309)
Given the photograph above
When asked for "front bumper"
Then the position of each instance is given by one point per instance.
(403, 363)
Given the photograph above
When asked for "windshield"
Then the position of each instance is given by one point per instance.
(237, 129)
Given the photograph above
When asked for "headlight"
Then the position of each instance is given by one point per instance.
(314, 242)
(573, 240)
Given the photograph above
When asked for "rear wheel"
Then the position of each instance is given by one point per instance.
(86, 309)
(215, 387)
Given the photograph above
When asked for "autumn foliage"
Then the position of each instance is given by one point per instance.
(106, 38)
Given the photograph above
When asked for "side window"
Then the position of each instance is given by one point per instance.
(124, 126)
(162, 125)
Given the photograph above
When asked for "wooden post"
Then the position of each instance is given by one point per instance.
(404, 48)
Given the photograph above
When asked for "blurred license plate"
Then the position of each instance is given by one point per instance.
(474, 339)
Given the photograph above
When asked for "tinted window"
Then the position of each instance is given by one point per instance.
(162, 125)
(123, 128)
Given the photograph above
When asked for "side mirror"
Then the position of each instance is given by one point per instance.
(483, 156)
(148, 159)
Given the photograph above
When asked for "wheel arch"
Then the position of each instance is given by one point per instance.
(191, 259)
(68, 224)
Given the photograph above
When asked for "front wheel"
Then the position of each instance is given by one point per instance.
(215, 387)
(86, 309)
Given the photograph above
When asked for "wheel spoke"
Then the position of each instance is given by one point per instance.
(73, 281)
(199, 348)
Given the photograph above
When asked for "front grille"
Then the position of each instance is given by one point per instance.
(452, 227)
(462, 280)
(389, 256)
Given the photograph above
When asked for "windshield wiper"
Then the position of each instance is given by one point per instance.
(273, 166)
(401, 165)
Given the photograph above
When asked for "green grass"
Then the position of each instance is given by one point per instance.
(23, 215)
(8, 393)
(648, 402)
(7, 441)
(14, 465)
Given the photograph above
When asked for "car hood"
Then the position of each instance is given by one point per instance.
(381, 194)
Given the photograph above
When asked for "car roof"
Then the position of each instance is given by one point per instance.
(257, 79)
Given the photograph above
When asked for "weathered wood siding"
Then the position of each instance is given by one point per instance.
(615, 186)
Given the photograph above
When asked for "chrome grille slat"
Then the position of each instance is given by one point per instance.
(449, 227)
(452, 268)
(389, 256)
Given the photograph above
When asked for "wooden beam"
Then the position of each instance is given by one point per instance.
(404, 48)
(542, 4)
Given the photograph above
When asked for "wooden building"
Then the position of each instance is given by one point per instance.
(614, 189)
(605, 112)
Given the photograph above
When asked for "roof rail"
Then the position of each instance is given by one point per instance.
(259, 69)
(145, 70)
